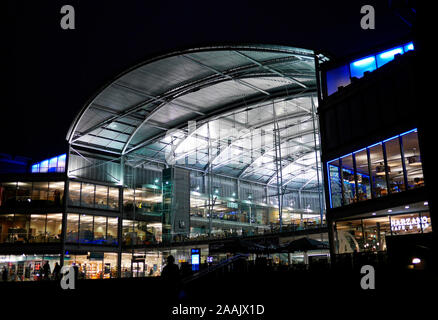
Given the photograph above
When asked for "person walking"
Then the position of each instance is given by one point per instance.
(46, 270)
(56, 271)
(5, 274)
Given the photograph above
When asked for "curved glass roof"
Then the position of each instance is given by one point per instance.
(241, 111)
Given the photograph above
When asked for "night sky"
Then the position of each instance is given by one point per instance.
(51, 72)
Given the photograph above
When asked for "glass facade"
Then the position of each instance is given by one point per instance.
(369, 232)
(55, 164)
(94, 196)
(90, 229)
(30, 228)
(387, 167)
(37, 194)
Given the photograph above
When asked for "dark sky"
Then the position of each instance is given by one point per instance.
(52, 72)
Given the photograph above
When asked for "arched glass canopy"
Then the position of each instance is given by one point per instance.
(247, 112)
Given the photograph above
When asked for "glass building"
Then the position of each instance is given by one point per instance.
(376, 144)
(193, 146)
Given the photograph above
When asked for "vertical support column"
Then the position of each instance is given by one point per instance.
(121, 211)
(65, 209)
(320, 183)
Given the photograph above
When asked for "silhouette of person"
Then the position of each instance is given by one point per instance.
(46, 270)
(5, 274)
(171, 271)
(56, 271)
(171, 275)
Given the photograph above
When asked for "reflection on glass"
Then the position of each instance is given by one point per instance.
(6, 228)
(74, 193)
(375, 232)
(101, 197)
(113, 198)
(87, 195)
(411, 150)
(72, 227)
(112, 237)
(56, 192)
(40, 192)
(86, 229)
(348, 180)
(378, 175)
(395, 167)
(24, 190)
(37, 230)
(363, 175)
(349, 236)
(99, 230)
(54, 226)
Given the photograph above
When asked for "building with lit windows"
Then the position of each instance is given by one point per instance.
(197, 148)
(375, 146)
(187, 149)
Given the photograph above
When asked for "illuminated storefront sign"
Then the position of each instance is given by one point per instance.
(410, 223)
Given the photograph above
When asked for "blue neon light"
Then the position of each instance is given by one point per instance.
(329, 184)
(337, 77)
(387, 56)
(358, 67)
(55, 164)
(409, 47)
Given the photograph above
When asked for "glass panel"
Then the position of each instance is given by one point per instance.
(348, 180)
(375, 232)
(72, 227)
(37, 232)
(128, 200)
(53, 163)
(9, 192)
(54, 227)
(414, 169)
(87, 195)
(56, 193)
(74, 193)
(113, 200)
(395, 167)
(61, 163)
(357, 68)
(20, 231)
(336, 78)
(112, 237)
(386, 56)
(349, 236)
(378, 175)
(6, 228)
(101, 197)
(99, 230)
(127, 232)
(44, 166)
(40, 193)
(426, 224)
(335, 184)
(86, 229)
(110, 267)
(363, 175)
(24, 190)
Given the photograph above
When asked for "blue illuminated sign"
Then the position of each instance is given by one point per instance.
(195, 259)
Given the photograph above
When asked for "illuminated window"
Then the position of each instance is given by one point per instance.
(358, 67)
(386, 56)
